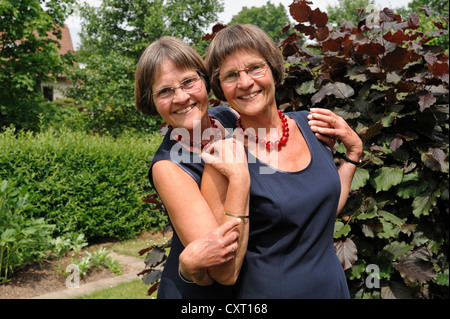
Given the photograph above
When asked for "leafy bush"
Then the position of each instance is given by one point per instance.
(23, 238)
(383, 78)
(86, 184)
(104, 92)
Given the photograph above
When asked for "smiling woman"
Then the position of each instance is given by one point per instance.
(207, 246)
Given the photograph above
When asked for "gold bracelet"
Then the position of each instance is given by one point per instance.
(237, 216)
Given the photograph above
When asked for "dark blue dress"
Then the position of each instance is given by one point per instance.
(290, 250)
(171, 286)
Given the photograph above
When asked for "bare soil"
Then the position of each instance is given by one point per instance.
(48, 276)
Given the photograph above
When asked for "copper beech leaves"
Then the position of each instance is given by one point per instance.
(416, 266)
(347, 252)
(398, 59)
(300, 10)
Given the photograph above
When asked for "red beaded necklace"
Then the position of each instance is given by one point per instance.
(193, 144)
(269, 145)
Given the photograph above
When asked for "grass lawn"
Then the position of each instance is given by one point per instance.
(127, 290)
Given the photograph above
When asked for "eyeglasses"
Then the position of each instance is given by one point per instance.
(191, 85)
(256, 70)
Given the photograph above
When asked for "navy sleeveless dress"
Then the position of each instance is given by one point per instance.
(171, 285)
(290, 250)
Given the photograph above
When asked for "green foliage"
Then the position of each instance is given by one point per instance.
(104, 92)
(96, 260)
(85, 184)
(113, 38)
(28, 56)
(23, 238)
(346, 10)
(385, 79)
(268, 17)
(128, 27)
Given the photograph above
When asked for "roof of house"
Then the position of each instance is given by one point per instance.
(66, 40)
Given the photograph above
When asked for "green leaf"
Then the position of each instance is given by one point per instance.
(386, 177)
(359, 179)
(423, 203)
(9, 235)
(389, 230)
(443, 278)
(396, 250)
(340, 229)
(391, 218)
(306, 88)
(358, 268)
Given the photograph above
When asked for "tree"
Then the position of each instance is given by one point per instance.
(28, 56)
(386, 80)
(347, 10)
(268, 17)
(428, 10)
(113, 38)
(129, 27)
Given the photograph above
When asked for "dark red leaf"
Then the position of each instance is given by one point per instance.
(322, 33)
(291, 38)
(387, 15)
(416, 266)
(332, 45)
(346, 252)
(319, 18)
(300, 11)
(306, 30)
(396, 143)
(397, 59)
(153, 288)
(286, 28)
(145, 271)
(216, 28)
(439, 68)
(143, 251)
(405, 87)
(398, 37)
(427, 100)
(371, 49)
(414, 19)
(372, 131)
(427, 11)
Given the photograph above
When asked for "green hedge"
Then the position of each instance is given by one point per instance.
(89, 184)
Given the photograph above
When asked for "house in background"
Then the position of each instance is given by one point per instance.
(52, 90)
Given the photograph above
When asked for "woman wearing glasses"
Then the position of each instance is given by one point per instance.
(171, 80)
(296, 190)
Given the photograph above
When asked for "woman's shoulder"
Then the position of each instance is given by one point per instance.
(301, 117)
(298, 114)
(225, 115)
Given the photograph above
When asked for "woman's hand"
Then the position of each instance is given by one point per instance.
(228, 157)
(213, 249)
(328, 126)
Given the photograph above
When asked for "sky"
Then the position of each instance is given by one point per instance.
(233, 7)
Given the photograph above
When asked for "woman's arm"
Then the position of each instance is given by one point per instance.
(328, 126)
(227, 196)
(226, 186)
(188, 210)
(195, 222)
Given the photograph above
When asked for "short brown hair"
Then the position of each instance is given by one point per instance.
(180, 53)
(245, 37)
